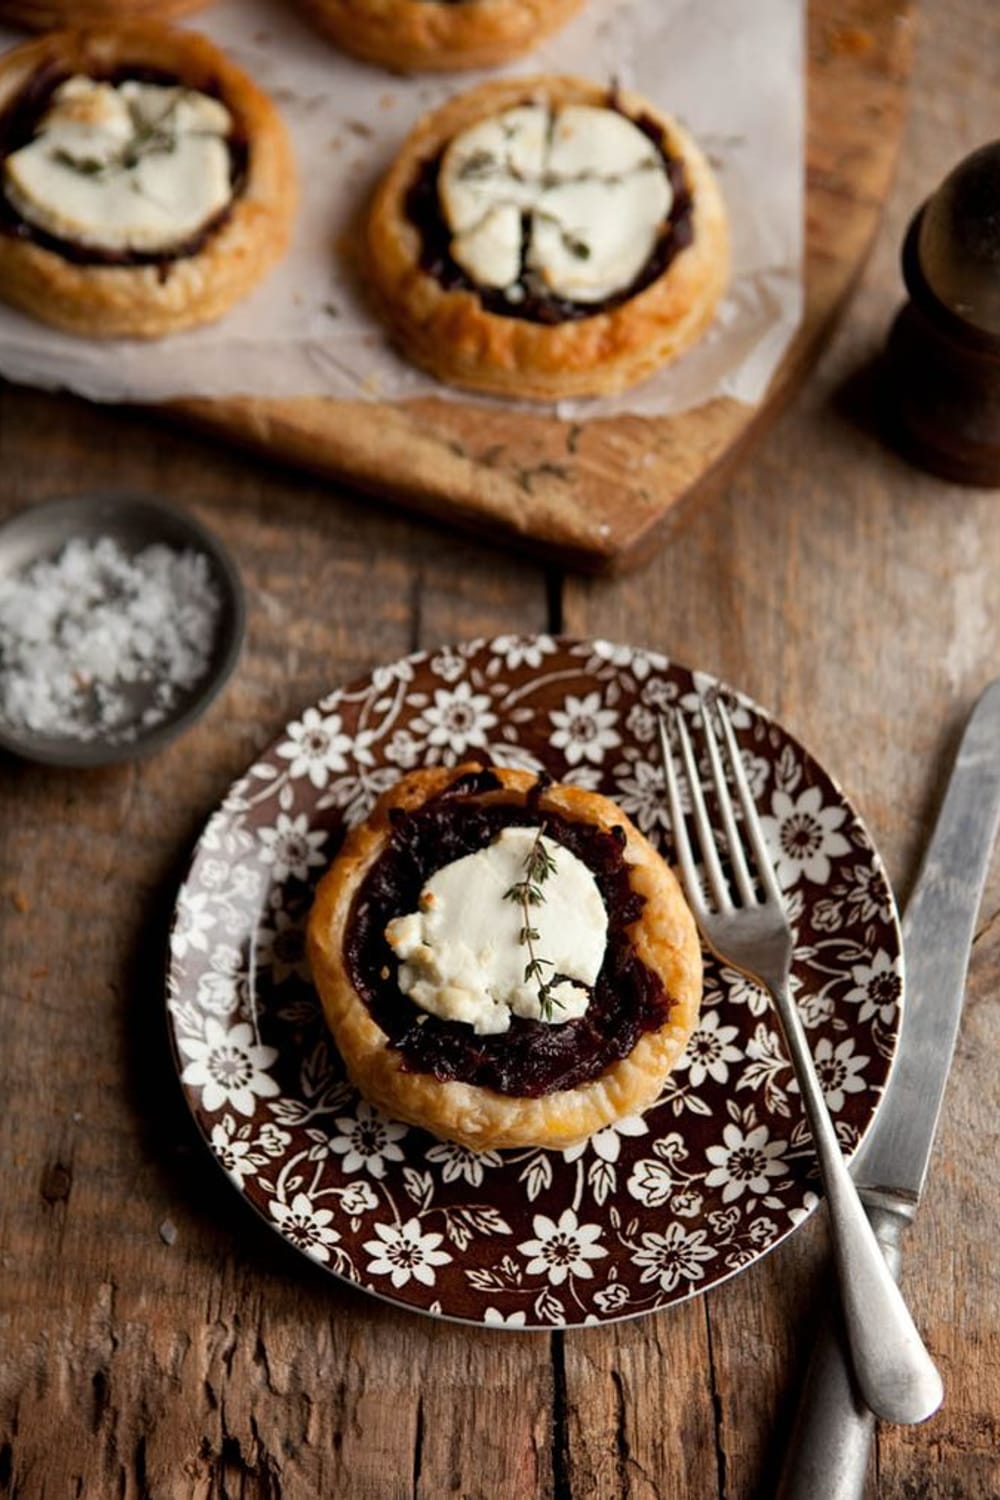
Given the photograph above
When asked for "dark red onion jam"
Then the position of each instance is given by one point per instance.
(532, 1058)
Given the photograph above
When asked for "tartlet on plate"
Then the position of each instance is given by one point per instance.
(537, 1081)
(146, 183)
(438, 35)
(547, 237)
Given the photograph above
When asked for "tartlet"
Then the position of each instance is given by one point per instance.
(524, 301)
(438, 35)
(538, 1084)
(81, 284)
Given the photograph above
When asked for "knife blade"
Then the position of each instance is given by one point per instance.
(938, 928)
(828, 1455)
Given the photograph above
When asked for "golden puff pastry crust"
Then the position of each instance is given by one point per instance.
(149, 300)
(438, 35)
(450, 332)
(48, 15)
(664, 939)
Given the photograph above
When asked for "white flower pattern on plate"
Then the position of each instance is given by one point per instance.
(292, 848)
(306, 1226)
(745, 1161)
(584, 731)
(228, 1066)
(449, 666)
(877, 988)
(401, 1251)
(457, 720)
(667, 1258)
(562, 1247)
(317, 745)
(367, 1141)
(839, 1072)
(710, 1051)
(803, 836)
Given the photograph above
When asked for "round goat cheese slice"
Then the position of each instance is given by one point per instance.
(570, 200)
(125, 168)
(463, 955)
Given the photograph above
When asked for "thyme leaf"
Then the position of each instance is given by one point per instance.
(539, 865)
(85, 166)
(477, 165)
(150, 137)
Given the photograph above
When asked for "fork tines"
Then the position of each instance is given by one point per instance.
(720, 776)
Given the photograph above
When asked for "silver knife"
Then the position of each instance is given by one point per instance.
(828, 1454)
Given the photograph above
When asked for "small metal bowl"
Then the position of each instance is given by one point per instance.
(134, 522)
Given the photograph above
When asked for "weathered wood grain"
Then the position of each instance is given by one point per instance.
(603, 496)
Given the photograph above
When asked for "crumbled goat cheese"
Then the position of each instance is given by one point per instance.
(95, 644)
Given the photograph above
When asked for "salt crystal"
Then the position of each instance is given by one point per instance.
(97, 643)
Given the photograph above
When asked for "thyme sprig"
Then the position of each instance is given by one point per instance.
(151, 136)
(527, 892)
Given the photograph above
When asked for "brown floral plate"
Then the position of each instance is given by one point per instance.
(650, 1211)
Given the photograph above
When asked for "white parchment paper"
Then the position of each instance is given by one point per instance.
(731, 70)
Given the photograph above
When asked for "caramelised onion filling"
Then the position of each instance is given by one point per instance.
(532, 1058)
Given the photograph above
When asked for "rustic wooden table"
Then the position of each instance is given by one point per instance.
(855, 597)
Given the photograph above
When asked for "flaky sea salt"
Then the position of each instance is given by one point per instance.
(98, 644)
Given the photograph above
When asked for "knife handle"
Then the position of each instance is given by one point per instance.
(831, 1440)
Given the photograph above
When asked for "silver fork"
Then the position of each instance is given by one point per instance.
(895, 1373)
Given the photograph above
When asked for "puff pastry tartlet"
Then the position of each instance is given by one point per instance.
(411, 35)
(48, 15)
(417, 923)
(547, 237)
(146, 183)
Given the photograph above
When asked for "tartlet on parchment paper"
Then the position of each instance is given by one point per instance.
(99, 294)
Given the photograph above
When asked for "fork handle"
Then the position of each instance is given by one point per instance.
(894, 1372)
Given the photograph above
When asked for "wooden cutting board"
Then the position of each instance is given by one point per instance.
(601, 497)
